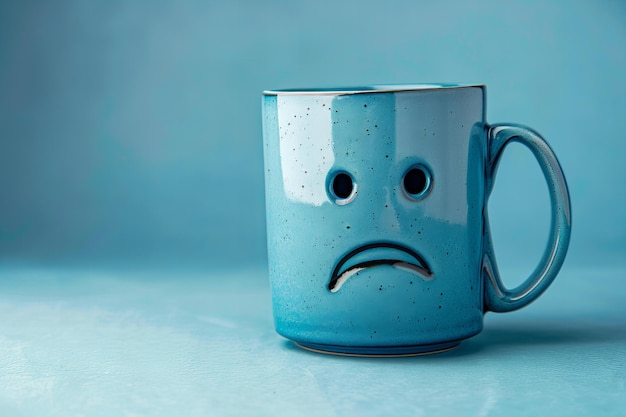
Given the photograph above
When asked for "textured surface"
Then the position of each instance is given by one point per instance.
(137, 343)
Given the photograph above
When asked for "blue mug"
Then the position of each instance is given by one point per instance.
(377, 228)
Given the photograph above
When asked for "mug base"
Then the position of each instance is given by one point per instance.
(379, 351)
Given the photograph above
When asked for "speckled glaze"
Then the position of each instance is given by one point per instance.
(384, 271)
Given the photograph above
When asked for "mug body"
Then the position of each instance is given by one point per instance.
(375, 202)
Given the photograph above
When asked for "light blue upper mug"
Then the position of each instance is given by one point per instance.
(377, 228)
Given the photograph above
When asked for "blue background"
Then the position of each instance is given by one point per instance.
(130, 132)
(133, 275)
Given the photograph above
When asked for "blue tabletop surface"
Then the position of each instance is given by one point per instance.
(104, 342)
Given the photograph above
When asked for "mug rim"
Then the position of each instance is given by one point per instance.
(369, 89)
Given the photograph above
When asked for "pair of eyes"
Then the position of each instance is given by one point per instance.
(415, 184)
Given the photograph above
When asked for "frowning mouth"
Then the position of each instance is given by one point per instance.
(394, 254)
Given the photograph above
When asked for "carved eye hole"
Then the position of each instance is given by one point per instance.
(417, 182)
(342, 188)
(342, 185)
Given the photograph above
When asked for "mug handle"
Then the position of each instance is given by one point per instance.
(497, 297)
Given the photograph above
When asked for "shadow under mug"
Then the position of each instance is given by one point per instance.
(377, 226)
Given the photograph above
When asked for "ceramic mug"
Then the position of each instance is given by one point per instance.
(377, 228)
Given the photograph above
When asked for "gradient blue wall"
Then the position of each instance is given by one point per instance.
(130, 131)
